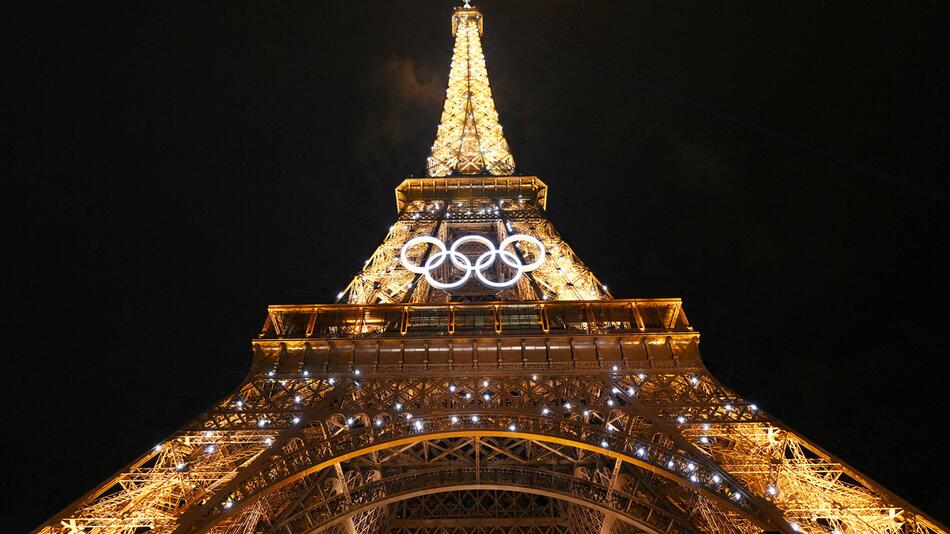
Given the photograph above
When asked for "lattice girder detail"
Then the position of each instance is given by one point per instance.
(559, 420)
(469, 139)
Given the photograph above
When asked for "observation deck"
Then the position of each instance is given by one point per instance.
(502, 336)
(469, 187)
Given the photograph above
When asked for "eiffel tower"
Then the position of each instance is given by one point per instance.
(477, 377)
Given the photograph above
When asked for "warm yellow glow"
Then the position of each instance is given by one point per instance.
(469, 139)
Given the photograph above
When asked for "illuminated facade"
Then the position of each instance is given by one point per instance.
(476, 377)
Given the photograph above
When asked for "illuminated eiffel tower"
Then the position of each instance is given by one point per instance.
(477, 377)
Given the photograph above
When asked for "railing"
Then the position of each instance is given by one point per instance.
(498, 318)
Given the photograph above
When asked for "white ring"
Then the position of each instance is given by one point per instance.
(461, 261)
(441, 258)
(418, 269)
(534, 241)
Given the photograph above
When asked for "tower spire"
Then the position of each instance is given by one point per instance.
(469, 139)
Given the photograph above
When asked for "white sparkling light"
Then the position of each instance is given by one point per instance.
(418, 425)
(474, 418)
(452, 388)
(357, 372)
(512, 427)
(297, 398)
(179, 466)
(295, 420)
(604, 444)
(398, 406)
(545, 411)
(681, 419)
(610, 402)
(268, 441)
(641, 452)
(567, 406)
(339, 295)
(455, 419)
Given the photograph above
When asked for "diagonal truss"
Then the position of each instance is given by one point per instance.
(469, 139)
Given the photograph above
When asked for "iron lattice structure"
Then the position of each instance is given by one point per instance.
(469, 139)
(492, 207)
(546, 406)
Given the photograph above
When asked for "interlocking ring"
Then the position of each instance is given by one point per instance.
(461, 261)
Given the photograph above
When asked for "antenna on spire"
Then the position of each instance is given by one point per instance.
(467, 5)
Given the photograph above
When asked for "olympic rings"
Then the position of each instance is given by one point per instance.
(461, 261)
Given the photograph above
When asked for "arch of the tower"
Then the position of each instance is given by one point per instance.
(477, 511)
(391, 491)
(596, 493)
(375, 460)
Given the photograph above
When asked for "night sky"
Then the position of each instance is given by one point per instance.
(781, 166)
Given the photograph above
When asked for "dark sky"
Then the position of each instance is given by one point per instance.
(781, 166)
